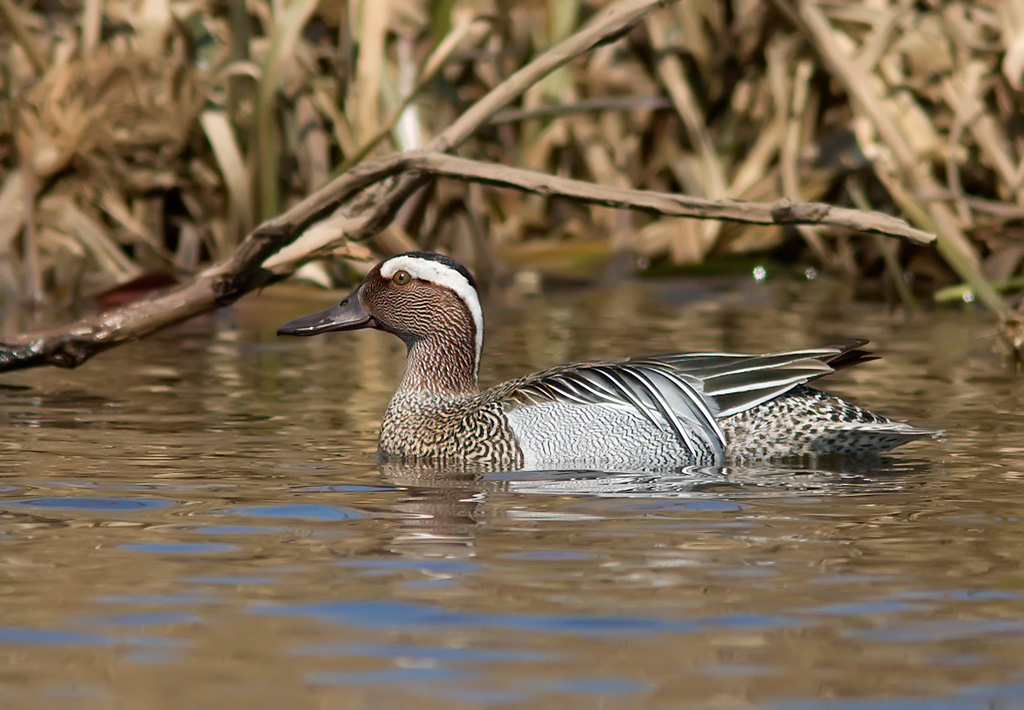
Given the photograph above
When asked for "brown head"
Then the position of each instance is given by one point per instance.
(429, 301)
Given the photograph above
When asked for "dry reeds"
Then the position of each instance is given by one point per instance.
(152, 136)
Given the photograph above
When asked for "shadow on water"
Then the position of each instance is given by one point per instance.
(833, 476)
(450, 503)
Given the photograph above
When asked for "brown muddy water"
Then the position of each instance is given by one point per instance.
(199, 520)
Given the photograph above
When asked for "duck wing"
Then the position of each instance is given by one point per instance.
(688, 392)
(657, 390)
(738, 382)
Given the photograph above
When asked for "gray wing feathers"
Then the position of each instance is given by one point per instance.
(680, 403)
(687, 392)
(741, 391)
(739, 382)
(659, 394)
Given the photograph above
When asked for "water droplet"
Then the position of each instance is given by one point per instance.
(759, 273)
(810, 273)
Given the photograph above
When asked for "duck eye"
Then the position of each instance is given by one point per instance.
(401, 278)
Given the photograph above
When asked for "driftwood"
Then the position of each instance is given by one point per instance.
(393, 179)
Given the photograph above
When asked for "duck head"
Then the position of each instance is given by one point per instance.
(428, 300)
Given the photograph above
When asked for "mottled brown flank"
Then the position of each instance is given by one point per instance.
(807, 422)
(422, 426)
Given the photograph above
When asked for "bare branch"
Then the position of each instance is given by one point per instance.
(398, 176)
(71, 345)
(782, 212)
(674, 205)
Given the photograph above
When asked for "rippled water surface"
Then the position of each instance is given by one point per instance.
(199, 520)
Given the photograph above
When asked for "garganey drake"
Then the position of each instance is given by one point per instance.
(663, 411)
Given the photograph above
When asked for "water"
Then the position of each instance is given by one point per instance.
(199, 520)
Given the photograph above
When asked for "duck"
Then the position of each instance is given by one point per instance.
(671, 410)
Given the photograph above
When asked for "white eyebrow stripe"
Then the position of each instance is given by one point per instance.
(442, 275)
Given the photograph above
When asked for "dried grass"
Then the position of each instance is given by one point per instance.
(151, 136)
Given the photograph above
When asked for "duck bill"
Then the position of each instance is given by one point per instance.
(347, 315)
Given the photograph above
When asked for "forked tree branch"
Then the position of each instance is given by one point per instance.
(397, 176)
(671, 204)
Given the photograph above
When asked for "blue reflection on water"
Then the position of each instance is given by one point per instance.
(467, 654)
(52, 637)
(389, 676)
(1007, 697)
(121, 505)
(298, 511)
(179, 548)
(389, 614)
